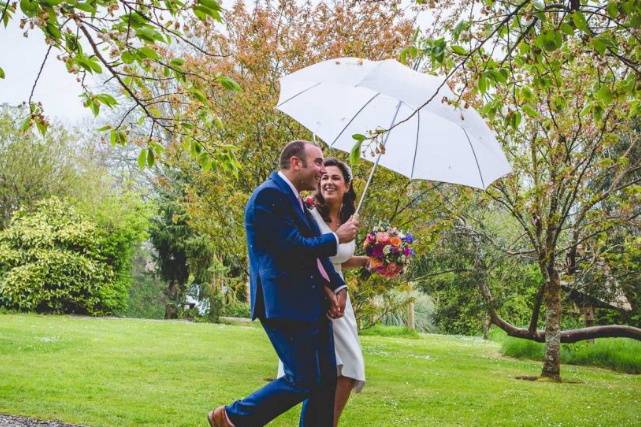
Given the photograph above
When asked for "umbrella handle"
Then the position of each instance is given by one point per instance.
(369, 180)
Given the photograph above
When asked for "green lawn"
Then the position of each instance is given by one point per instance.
(121, 372)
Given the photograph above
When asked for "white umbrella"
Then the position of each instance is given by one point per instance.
(340, 97)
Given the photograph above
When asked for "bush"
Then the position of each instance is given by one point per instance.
(56, 260)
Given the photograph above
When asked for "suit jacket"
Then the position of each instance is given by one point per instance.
(284, 244)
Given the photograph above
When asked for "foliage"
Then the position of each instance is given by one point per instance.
(56, 259)
(141, 48)
(146, 372)
(33, 167)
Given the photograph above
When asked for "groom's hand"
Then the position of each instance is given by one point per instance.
(335, 311)
(347, 231)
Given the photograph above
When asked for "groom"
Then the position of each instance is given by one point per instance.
(294, 289)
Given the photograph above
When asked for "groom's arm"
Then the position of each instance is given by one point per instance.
(274, 227)
(336, 282)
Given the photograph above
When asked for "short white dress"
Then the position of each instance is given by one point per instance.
(349, 356)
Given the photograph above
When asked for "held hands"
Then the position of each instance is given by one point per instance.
(337, 302)
(347, 231)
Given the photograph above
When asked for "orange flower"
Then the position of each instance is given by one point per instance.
(375, 263)
(395, 241)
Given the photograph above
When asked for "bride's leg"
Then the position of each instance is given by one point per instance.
(344, 387)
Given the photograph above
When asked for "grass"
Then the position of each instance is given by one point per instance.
(620, 354)
(389, 331)
(125, 372)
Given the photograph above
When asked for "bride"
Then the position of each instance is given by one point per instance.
(334, 204)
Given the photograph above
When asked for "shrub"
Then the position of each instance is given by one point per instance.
(56, 260)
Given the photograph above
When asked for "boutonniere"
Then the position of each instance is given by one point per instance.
(309, 202)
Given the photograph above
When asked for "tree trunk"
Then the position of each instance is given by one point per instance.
(552, 301)
(411, 321)
(171, 308)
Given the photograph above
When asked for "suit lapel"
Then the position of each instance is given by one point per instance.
(294, 200)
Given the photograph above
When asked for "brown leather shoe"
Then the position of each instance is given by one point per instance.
(218, 418)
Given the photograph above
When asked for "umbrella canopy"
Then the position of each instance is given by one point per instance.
(340, 97)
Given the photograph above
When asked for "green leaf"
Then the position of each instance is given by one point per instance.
(604, 94)
(29, 7)
(549, 40)
(89, 7)
(107, 99)
(228, 83)
(212, 4)
(89, 64)
(408, 53)
(580, 22)
(2, 75)
(359, 137)
(459, 50)
(483, 84)
(42, 126)
(513, 119)
(355, 153)
(149, 53)
(150, 35)
(53, 28)
(202, 12)
(104, 128)
(142, 159)
(530, 111)
(567, 28)
(117, 137)
(602, 43)
(613, 10)
(198, 94)
(127, 57)
(150, 157)
(71, 42)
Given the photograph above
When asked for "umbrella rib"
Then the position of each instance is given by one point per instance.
(475, 158)
(418, 129)
(299, 93)
(352, 119)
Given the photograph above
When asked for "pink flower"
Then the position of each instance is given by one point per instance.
(382, 237)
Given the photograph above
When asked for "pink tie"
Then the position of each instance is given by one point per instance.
(321, 269)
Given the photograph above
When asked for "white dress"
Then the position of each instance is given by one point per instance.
(349, 356)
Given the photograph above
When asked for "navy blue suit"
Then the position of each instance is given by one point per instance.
(284, 244)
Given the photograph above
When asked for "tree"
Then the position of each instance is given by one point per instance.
(33, 167)
(139, 46)
(559, 83)
(266, 42)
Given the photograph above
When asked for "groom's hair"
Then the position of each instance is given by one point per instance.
(294, 149)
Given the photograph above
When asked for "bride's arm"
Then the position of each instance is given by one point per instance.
(356, 262)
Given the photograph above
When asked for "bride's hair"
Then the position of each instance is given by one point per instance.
(348, 208)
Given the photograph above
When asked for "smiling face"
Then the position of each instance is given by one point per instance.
(332, 185)
(310, 169)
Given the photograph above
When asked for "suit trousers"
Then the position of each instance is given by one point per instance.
(307, 352)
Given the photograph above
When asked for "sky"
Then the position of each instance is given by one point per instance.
(21, 57)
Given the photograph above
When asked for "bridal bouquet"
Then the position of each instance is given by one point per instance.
(388, 250)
